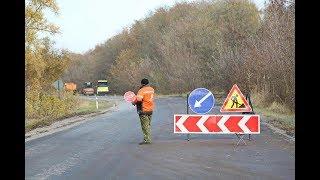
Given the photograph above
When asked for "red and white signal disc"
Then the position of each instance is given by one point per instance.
(129, 96)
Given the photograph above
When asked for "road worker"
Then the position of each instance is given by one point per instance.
(145, 96)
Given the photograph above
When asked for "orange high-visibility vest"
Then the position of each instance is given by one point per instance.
(146, 95)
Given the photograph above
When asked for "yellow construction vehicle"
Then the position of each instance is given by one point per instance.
(102, 87)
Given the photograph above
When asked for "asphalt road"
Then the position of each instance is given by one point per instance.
(106, 147)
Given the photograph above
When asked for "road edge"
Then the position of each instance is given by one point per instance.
(278, 130)
(64, 124)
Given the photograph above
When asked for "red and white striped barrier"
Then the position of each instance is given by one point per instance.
(216, 124)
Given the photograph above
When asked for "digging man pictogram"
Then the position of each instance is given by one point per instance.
(235, 102)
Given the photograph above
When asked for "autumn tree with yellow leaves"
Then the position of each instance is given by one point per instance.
(43, 63)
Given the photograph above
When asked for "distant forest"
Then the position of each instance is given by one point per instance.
(211, 44)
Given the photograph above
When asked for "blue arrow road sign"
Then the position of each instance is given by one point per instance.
(201, 101)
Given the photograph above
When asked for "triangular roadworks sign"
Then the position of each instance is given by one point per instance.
(235, 102)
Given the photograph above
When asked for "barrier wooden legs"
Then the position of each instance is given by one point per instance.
(240, 138)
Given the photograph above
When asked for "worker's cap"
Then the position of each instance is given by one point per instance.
(144, 81)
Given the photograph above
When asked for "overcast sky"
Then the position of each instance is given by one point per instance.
(86, 23)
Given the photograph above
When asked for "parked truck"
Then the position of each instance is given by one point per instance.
(102, 87)
(87, 89)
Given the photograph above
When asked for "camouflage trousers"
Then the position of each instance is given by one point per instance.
(146, 127)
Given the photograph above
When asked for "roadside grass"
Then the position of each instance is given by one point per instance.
(282, 121)
(276, 113)
(217, 94)
(89, 106)
(172, 95)
(84, 107)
